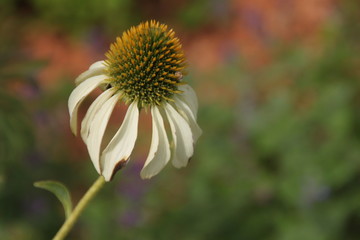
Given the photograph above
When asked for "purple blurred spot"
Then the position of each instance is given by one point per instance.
(130, 218)
(36, 206)
(255, 21)
(132, 186)
(133, 190)
(34, 159)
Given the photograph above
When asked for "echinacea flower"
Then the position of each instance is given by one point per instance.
(143, 69)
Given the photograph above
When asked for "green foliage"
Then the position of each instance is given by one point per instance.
(304, 139)
(78, 16)
(196, 13)
(15, 130)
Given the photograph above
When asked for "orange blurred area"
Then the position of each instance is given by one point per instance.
(65, 57)
(252, 29)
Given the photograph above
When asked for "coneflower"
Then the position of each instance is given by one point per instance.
(144, 68)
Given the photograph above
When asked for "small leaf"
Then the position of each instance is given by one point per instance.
(60, 191)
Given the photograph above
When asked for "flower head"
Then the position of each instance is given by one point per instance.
(146, 63)
(144, 69)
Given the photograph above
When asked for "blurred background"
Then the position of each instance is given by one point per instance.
(279, 90)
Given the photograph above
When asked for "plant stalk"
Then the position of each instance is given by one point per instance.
(70, 221)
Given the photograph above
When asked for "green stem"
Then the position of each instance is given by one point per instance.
(70, 221)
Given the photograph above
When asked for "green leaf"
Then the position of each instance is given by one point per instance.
(60, 191)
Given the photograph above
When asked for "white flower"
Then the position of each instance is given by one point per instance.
(143, 69)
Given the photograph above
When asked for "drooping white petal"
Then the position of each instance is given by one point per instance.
(189, 97)
(97, 129)
(121, 145)
(79, 94)
(96, 68)
(98, 64)
(186, 112)
(159, 153)
(93, 109)
(183, 148)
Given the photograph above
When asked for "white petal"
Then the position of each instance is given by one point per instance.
(79, 94)
(93, 109)
(189, 97)
(159, 154)
(120, 147)
(182, 137)
(97, 129)
(98, 64)
(96, 68)
(186, 112)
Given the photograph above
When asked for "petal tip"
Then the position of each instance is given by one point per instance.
(73, 127)
(181, 164)
(118, 166)
(146, 176)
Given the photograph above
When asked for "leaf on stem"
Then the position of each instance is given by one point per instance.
(60, 191)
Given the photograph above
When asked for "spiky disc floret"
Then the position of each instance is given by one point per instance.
(146, 63)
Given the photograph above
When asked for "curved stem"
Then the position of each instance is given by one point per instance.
(70, 221)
